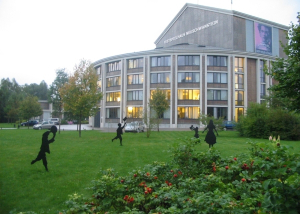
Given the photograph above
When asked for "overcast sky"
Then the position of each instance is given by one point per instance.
(37, 37)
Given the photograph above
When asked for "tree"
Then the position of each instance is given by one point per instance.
(80, 94)
(287, 71)
(158, 104)
(30, 107)
(148, 121)
(10, 97)
(39, 91)
(54, 95)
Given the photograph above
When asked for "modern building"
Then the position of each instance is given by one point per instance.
(208, 61)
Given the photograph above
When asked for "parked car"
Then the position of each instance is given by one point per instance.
(135, 126)
(228, 124)
(44, 125)
(54, 120)
(29, 123)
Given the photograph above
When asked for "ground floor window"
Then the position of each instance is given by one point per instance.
(238, 112)
(113, 113)
(217, 112)
(134, 112)
(188, 112)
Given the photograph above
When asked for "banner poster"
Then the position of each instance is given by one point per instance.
(263, 38)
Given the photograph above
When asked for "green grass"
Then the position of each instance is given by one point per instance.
(74, 162)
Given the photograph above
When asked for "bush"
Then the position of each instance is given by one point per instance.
(261, 122)
(266, 180)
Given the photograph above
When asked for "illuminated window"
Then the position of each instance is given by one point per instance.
(114, 66)
(239, 81)
(239, 64)
(166, 92)
(134, 112)
(99, 84)
(113, 81)
(134, 95)
(216, 77)
(188, 94)
(217, 94)
(160, 78)
(135, 63)
(188, 60)
(238, 112)
(160, 61)
(216, 60)
(113, 97)
(188, 112)
(188, 77)
(135, 79)
(239, 98)
(113, 113)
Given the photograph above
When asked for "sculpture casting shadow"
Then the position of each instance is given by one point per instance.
(210, 137)
(45, 147)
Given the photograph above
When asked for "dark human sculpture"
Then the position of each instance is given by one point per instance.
(45, 147)
(210, 137)
(119, 133)
(192, 128)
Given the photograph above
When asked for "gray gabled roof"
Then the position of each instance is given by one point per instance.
(218, 10)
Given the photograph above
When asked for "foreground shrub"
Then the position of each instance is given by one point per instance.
(266, 180)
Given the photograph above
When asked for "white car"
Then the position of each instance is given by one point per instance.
(135, 126)
(44, 125)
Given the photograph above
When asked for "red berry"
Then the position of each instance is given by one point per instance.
(135, 175)
(170, 184)
(243, 179)
(172, 170)
(226, 167)
(175, 176)
(234, 159)
(155, 177)
(146, 192)
(122, 181)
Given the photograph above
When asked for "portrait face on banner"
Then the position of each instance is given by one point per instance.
(263, 39)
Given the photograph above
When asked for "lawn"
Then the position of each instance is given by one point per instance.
(75, 161)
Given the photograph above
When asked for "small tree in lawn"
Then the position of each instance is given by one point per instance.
(158, 104)
(54, 95)
(148, 121)
(80, 94)
(30, 107)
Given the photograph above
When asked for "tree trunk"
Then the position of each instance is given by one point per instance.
(80, 126)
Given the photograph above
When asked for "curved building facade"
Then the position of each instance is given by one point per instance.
(207, 61)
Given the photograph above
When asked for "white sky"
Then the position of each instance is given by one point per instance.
(37, 37)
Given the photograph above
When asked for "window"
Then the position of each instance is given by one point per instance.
(134, 112)
(113, 97)
(216, 95)
(239, 81)
(99, 84)
(214, 77)
(216, 60)
(188, 94)
(188, 60)
(262, 73)
(238, 112)
(160, 78)
(160, 61)
(165, 115)
(167, 93)
(262, 91)
(217, 112)
(239, 64)
(113, 81)
(239, 98)
(188, 77)
(135, 79)
(114, 66)
(113, 113)
(188, 112)
(135, 63)
(134, 95)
